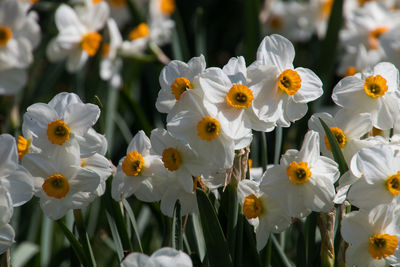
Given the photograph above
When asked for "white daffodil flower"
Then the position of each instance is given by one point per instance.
(178, 158)
(78, 38)
(157, 31)
(111, 64)
(140, 172)
(348, 129)
(63, 119)
(373, 236)
(175, 79)
(358, 59)
(164, 257)
(306, 177)
(100, 165)
(13, 177)
(282, 91)
(190, 122)
(60, 181)
(380, 181)
(262, 211)
(288, 19)
(7, 233)
(228, 98)
(390, 43)
(173, 190)
(375, 91)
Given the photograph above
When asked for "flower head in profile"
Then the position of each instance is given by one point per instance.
(373, 235)
(307, 178)
(262, 211)
(139, 172)
(376, 91)
(78, 37)
(282, 90)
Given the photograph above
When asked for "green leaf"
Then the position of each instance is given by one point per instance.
(76, 246)
(133, 222)
(23, 253)
(217, 247)
(229, 203)
(177, 240)
(336, 151)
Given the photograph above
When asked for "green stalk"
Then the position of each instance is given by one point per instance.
(76, 246)
(278, 144)
(177, 239)
(84, 238)
(264, 153)
(115, 212)
(112, 100)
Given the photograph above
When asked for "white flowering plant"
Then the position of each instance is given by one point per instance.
(196, 133)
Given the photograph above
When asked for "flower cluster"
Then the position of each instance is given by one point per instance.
(19, 36)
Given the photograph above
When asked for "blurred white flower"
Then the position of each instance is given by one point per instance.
(282, 91)
(306, 177)
(111, 63)
(262, 211)
(164, 257)
(374, 91)
(373, 236)
(78, 38)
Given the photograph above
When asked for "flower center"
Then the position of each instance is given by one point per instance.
(58, 132)
(140, 31)
(56, 186)
(298, 172)
(350, 71)
(373, 37)
(23, 146)
(179, 86)
(289, 81)
(167, 6)
(326, 8)
(252, 207)
(105, 50)
(239, 96)
(392, 183)
(208, 128)
(276, 22)
(375, 86)
(172, 159)
(133, 164)
(96, 1)
(340, 137)
(382, 245)
(5, 35)
(91, 43)
(117, 3)
(363, 2)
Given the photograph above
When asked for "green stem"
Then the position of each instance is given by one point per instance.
(264, 153)
(76, 246)
(112, 100)
(278, 144)
(177, 239)
(114, 209)
(84, 238)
